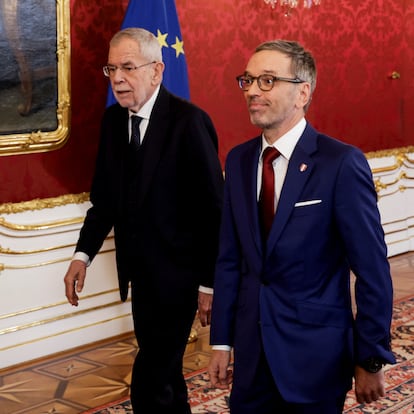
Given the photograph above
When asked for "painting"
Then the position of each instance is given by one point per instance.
(34, 75)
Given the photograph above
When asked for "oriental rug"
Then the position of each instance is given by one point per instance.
(399, 397)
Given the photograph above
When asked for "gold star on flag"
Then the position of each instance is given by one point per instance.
(178, 46)
(162, 38)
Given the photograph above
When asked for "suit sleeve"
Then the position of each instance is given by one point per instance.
(207, 190)
(227, 272)
(99, 218)
(359, 222)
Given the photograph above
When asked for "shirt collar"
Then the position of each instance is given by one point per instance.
(146, 109)
(287, 142)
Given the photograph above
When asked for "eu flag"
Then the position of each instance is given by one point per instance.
(160, 17)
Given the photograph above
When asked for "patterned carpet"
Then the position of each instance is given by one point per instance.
(399, 379)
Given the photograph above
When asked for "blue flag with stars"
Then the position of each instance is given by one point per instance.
(160, 17)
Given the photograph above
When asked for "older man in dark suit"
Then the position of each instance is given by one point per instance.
(159, 185)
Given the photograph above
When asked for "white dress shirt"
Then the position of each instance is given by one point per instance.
(285, 145)
(144, 113)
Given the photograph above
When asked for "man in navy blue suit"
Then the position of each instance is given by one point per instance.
(282, 295)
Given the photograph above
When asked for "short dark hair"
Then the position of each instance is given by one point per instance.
(303, 63)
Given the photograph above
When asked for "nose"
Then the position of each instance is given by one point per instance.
(118, 76)
(254, 88)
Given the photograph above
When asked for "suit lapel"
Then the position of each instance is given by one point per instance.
(299, 170)
(119, 150)
(153, 144)
(248, 165)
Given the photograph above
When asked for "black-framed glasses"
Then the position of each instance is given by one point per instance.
(109, 70)
(264, 82)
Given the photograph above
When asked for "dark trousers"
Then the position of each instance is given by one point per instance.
(157, 384)
(264, 398)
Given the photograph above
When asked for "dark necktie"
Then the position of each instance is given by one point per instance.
(135, 141)
(267, 192)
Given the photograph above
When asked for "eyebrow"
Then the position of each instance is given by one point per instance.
(264, 72)
(122, 64)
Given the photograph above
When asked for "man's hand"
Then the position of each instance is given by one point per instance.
(369, 387)
(205, 301)
(220, 374)
(74, 280)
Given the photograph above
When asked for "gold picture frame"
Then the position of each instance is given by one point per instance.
(40, 121)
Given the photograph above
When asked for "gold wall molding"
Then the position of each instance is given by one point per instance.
(396, 231)
(43, 226)
(59, 318)
(67, 331)
(47, 263)
(392, 152)
(5, 250)
(30, 266)
(400, 155)
(54, 305)
(379, 185)
(35, 205)
(396, 242)
(402, 159)
(41, 204)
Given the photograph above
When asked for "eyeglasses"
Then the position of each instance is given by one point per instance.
(264, 82)
(109, 70)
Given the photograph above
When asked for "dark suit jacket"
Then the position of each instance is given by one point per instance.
(293, 297)
(169, 229)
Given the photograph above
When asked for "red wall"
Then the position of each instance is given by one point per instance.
(356, 45)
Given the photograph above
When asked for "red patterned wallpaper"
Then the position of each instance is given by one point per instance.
(356, 45)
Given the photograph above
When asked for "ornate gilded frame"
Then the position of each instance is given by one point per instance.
(39, 140)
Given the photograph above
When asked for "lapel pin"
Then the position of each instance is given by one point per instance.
(303, 167)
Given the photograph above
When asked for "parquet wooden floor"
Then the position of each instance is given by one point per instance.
(87, 377)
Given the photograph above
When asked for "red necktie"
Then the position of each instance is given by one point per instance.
(267, 192)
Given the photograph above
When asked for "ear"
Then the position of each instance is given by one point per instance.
(304, 95)
(157, 74)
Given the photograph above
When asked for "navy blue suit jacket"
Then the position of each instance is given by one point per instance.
(292, 297)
